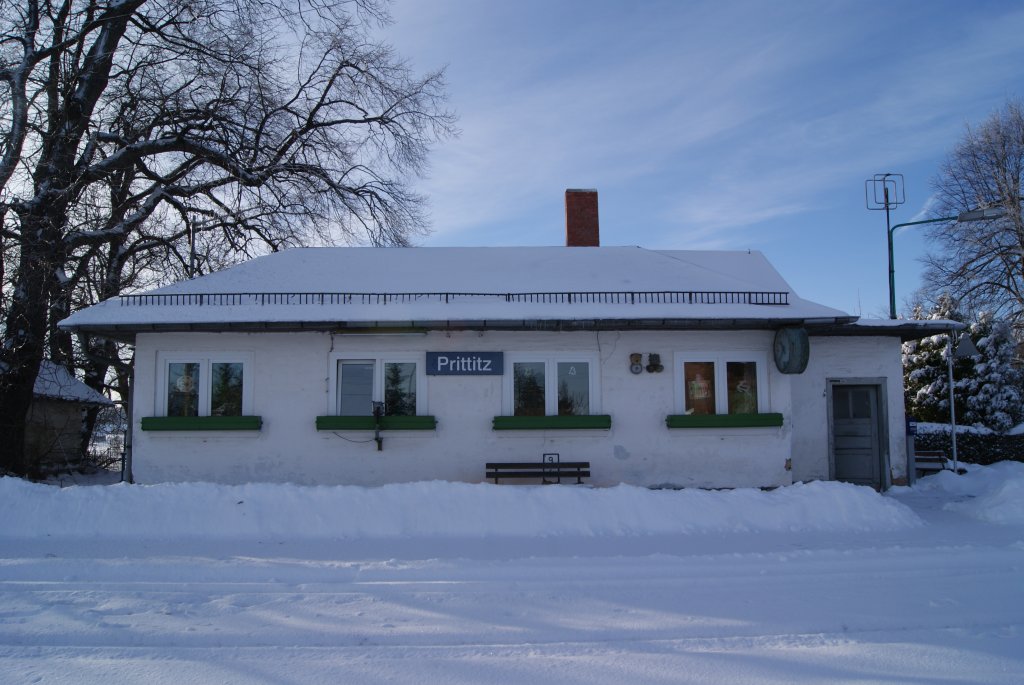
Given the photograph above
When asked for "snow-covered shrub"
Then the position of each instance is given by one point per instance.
(988, 388)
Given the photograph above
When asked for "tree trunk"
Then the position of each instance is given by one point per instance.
(26, 325)
(43, 221)
(126, 389)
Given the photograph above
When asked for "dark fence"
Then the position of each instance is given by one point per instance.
(767, 298)
(973, 448)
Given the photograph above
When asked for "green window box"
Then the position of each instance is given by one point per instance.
(202, 423)
(369, 423)
(770, 420)
(598, 421)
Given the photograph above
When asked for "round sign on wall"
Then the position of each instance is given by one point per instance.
(792, 349)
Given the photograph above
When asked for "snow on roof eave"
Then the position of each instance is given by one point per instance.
(120, 317)
(127, 332)
(905, 329)
(77, 400)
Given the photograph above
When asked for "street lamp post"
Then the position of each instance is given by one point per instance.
(964, 348)
(984, 214)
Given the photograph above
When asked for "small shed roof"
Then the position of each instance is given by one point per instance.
(56, 383)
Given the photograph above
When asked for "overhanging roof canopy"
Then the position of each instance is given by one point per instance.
(906, 329)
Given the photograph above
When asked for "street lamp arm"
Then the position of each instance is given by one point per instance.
(983, 214)
(987, 213)
(924, 221)
(892, 264)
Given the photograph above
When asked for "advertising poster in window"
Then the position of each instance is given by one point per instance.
(699, 386)
(741, 379)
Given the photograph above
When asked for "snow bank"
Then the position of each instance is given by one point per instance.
(261, 511)
(994, 493)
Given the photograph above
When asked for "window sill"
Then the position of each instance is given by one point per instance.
(723, 420)
(369, 423)
(202, 423)
(603, 421)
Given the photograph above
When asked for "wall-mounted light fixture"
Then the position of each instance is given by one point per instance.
(654, 363)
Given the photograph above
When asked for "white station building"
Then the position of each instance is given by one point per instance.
(662, 368)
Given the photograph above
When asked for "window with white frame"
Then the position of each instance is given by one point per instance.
(550, 386)
(362, 381)
(732, 383)
(204, 385)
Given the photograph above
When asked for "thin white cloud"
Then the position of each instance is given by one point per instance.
(926, 209)
(728, 115)
(608, 125)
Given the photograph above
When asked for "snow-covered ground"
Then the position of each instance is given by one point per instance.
(456, 583)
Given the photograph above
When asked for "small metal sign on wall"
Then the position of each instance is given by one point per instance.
(465, 363)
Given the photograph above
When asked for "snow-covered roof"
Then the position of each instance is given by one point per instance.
(310, 287)
(56, 383)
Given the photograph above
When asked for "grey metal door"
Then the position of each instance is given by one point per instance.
(855, 432)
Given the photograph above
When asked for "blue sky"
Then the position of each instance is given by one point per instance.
(710, 125)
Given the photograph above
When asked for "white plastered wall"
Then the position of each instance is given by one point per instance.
(838, 359)
(289, 381)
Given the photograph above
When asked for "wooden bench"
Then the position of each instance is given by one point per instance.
(547, 472)
(929, 461)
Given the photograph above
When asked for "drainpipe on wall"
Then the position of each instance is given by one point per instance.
(126, 458)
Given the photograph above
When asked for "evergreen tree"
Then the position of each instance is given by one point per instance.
(925, 368)
(988, 388)
(994, 391)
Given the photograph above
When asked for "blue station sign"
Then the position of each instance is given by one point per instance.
(465, 363)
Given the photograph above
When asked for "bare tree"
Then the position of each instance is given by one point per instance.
(131, 129)
(982, 263)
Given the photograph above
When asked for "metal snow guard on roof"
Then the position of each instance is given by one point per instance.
(607, 297)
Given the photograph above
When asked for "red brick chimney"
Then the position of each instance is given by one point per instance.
(581, 219)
